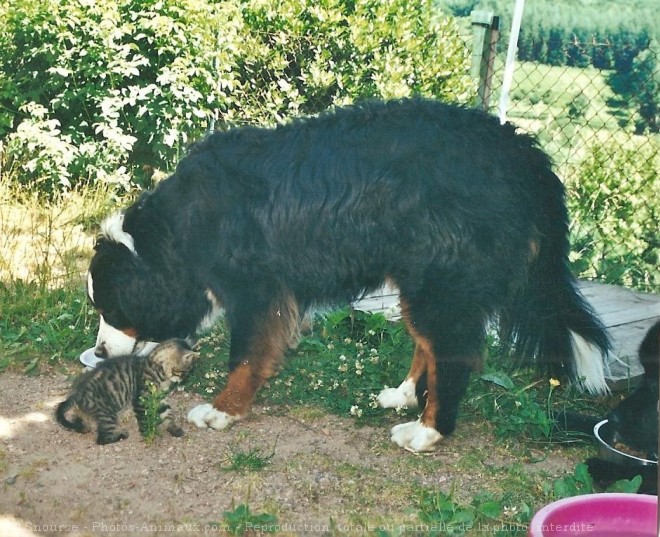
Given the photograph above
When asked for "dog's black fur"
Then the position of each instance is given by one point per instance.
(465, 216)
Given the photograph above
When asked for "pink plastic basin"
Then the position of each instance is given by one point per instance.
(598, 515)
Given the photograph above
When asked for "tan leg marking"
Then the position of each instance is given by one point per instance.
(265, 352)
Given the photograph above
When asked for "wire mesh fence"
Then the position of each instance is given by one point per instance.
(593, 106)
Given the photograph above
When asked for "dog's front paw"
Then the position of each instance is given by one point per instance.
(403, 396)
(204, 416)
(415, 436)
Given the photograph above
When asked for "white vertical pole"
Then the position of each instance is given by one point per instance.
(510, 59)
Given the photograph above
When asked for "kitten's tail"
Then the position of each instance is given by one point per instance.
(77, 424)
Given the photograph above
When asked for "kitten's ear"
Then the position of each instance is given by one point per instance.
(191, 356)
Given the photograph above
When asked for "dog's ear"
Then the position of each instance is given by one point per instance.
(112, 271)
(155, 297)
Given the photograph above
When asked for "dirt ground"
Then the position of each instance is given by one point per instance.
(327, 476)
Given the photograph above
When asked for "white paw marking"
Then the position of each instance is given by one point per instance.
(204, 416)
(403, 396)
(415, 436)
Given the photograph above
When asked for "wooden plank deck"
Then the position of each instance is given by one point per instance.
(626, 314)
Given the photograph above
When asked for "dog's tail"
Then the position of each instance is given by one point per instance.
(60, 413)
(549, 318)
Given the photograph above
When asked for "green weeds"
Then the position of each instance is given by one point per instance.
(442, 514)
(42, 327)
(152, 403)
(504, 514)
(242, 521)
(581, 482)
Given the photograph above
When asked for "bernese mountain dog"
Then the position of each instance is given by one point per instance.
(463, 215)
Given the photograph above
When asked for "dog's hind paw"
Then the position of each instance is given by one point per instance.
(403, 396)
(415, 436)
(204, 416)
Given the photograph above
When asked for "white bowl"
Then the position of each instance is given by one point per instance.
(606, 437)
(89, 359)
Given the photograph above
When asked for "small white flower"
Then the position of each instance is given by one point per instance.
(510, 511)
(356, 411)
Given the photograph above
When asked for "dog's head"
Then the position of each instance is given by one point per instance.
(142, 298)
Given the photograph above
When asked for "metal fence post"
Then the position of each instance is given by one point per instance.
(485, 29)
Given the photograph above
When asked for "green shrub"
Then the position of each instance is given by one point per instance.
(614, 220)
(119, 84)
(103, 89)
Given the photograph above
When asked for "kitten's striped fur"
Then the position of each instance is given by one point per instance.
(98, 396)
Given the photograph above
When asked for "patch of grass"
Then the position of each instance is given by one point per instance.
(45, 246)
(344, 363)
(341, 366)
(247, 460)
(331, 371)
(43, 326)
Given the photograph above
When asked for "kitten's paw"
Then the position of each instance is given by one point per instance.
(204, 416)
(415, 436)
(110, 438)
(174, 430)
(403, 396)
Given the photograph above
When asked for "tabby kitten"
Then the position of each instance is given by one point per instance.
(99, 395)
